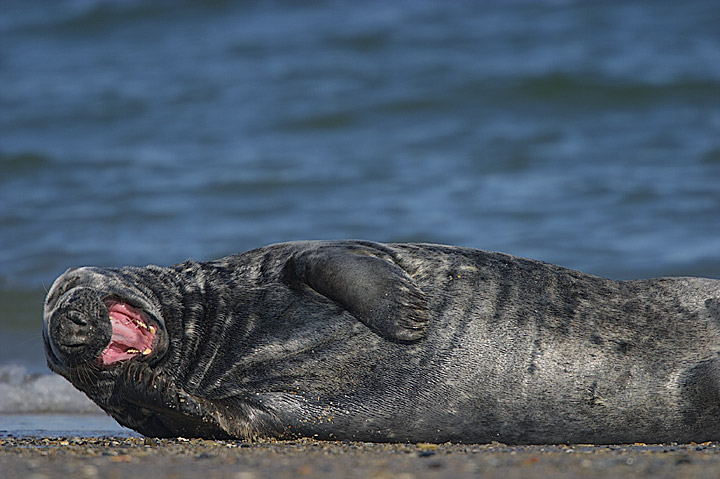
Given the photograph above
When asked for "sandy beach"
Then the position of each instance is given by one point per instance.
(116, 457)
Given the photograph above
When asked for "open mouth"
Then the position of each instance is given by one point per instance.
(132, 334)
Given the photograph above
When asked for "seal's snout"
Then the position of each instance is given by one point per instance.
(79, 327)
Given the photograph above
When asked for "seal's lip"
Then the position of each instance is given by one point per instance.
(134, 333)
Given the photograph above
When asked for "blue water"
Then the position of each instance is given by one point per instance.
(131, 132)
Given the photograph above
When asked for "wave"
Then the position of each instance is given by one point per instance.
(25, 162)
(80, 16)
(71, 15)
(22, 392)
(604, 93)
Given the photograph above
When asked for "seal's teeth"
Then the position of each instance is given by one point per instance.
(152, 329)
(132, 350)
(147, 351)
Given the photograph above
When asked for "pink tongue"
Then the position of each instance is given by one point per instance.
(128, 338)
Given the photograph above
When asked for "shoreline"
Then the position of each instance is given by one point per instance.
(115, 456)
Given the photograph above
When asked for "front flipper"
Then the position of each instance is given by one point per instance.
(376, 291)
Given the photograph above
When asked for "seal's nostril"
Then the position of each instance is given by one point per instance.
(78, 318)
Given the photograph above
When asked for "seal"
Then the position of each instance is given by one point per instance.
(355, 340)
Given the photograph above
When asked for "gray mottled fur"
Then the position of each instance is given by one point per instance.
(398, 342)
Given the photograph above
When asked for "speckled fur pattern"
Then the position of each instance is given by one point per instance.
(398, 342)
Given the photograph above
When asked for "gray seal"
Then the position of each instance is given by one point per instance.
(354, 340)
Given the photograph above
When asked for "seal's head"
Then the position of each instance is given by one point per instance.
(95, 319)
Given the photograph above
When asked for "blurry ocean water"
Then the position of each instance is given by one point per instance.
(583, 133)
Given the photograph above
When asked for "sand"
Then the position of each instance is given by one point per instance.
(130, 458)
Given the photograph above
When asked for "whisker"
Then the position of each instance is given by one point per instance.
(36, 338)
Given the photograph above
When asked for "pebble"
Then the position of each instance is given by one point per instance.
(109, 457)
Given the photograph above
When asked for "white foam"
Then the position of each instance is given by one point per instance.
(23, 393)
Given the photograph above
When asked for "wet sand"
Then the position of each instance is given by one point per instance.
(118, 457)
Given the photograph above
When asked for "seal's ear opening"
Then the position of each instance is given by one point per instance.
(79, 327)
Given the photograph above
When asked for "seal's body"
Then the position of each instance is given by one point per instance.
(398, 342)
